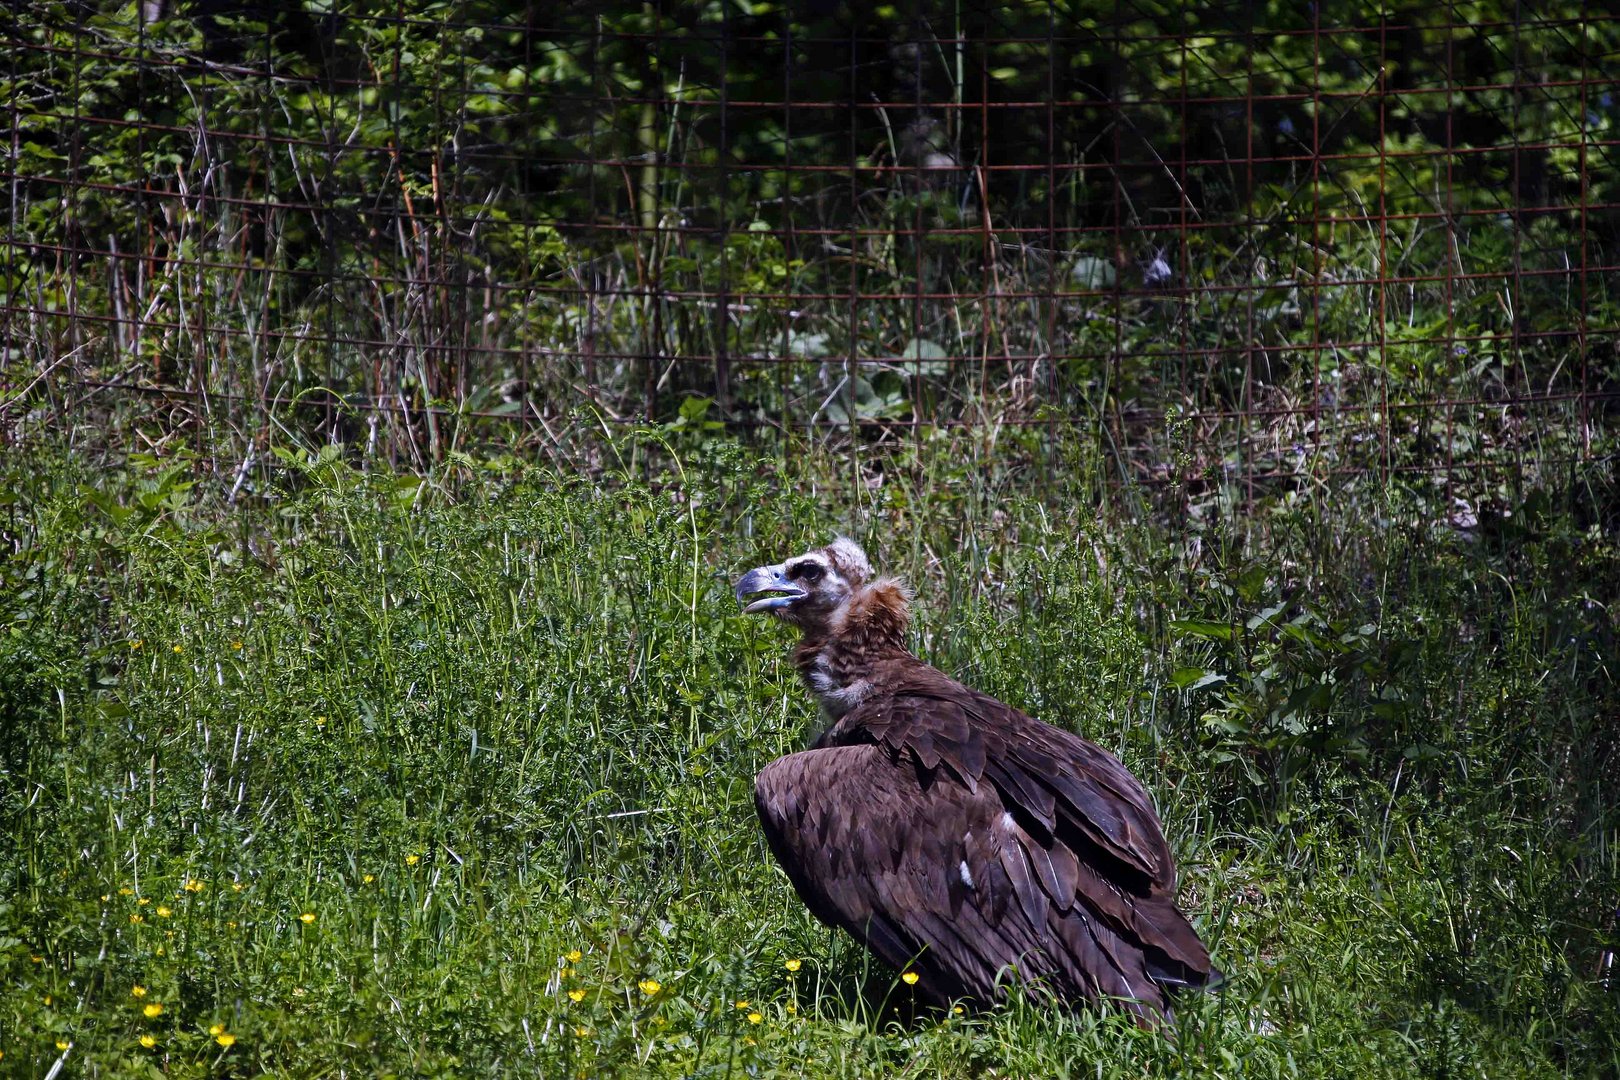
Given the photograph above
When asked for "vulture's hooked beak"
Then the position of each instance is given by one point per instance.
(767, 579)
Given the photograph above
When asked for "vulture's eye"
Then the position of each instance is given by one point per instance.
(808, 572)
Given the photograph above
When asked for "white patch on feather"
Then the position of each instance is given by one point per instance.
(840, 700)
(967, 875)
(836, 699)
(1007, 821)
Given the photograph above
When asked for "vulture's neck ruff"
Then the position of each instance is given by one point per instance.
(850, 621)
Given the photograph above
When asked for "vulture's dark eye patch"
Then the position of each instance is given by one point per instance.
(810, 572)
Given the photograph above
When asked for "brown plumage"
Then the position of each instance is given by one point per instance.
(951, 834)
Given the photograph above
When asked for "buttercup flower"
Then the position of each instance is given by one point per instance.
(754, 1017)
(792, 965)
(153, 1011)
(574, 956)
(307, 917)
(909, 978)
(137, 991)
(650, 986)
(576, 995)
(147, 1041)
(225, 1039)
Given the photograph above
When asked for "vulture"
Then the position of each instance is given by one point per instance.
(952, 835)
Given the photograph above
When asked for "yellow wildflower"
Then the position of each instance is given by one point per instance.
(193, 885)
(37, 959)
(153, 1011)
(126, 891)
(236, 645)
(307, 917)
(237, 886)
(147, 1041)
(137, 917)
(215, 1029)
(742, 1004)
(163, 912)
(63, 1044)
(909, 978)
(143, 901)
(412, 859)
(792, 965)
(754, 1017)
(179, 648)
(574, 956)
(582, 1031)
(576, 995)
(136, 644)
(366, 879)
(137, 991)
(650, 986)
(225, 1039)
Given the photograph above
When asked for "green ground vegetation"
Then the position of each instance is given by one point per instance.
(450, 774)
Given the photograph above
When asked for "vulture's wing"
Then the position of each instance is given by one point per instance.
(939, 875)
(1088, 830)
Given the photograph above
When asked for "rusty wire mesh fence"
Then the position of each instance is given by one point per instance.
(1223, 240)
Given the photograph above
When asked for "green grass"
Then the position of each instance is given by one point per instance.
(473, 722)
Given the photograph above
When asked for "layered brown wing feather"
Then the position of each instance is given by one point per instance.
(1063, 782)
(1090, 836)
(895, 839)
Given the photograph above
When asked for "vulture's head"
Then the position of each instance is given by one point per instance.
(823, 590)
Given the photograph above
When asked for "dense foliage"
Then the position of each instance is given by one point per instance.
(1197, 207)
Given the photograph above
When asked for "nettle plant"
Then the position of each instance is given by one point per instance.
(1288, 691)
